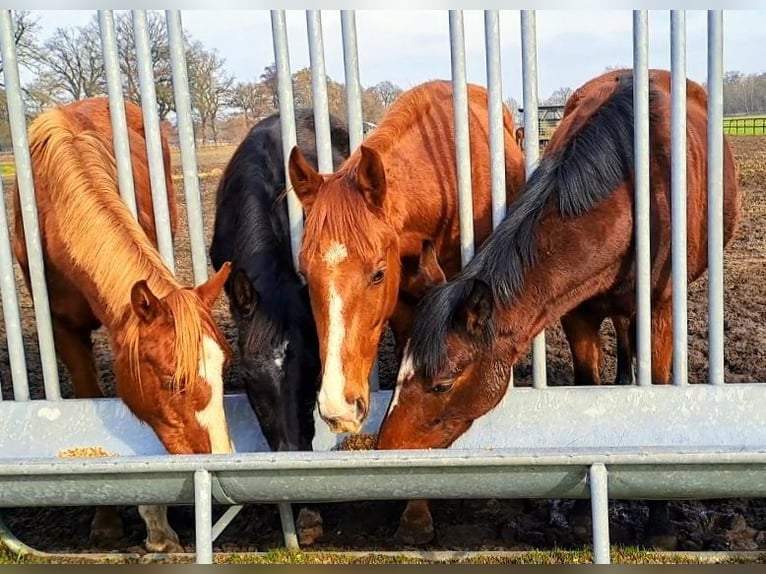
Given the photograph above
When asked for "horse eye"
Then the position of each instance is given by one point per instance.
(377, 277)
(442, 388)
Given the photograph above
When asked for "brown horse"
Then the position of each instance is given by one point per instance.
(381, 231)
(520, 137)
(102, 268)
(566, 245)
(391, 195)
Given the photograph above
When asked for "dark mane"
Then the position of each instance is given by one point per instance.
(592, 160)
(252, 228)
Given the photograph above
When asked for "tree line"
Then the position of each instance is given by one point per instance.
(69, 66)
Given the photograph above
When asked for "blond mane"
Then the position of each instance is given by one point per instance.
(104, 242)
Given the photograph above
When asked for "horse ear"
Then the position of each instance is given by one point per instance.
(371, 177)
(244, 295)
(474, 312)
(429, 265)
(211, 289)
(304, 179)
(145, 304)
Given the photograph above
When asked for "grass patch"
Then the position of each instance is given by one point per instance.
(7, 170)
(629, 555)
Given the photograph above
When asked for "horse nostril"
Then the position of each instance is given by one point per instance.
(361, 409)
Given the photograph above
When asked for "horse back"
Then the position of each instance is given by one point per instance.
(93, 114)
(251, 210)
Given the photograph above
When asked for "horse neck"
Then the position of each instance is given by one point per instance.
(569, 270)
(111, 256)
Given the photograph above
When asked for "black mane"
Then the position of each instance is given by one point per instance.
(252, 227)
(572, 179)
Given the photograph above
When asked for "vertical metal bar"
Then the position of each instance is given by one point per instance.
(117, 109)
(288, 526)
(203, 516)
(715, 193)
(462, 141)
(11, 318)
(599, 501)
(353, 84)
(496, 127)
(532, 153)
(354, 110)
(287, 124)
(678, 193)
(186, 142)
(22, 159)
(495, 105)
(642, 204)
(153, 141)
(319, 91)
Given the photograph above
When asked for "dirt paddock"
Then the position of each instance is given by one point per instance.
(469, 524)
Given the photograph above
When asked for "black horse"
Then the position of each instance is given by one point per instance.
(279, 351)
(278, 345)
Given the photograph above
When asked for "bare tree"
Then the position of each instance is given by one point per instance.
(71, 64)
(251, 98)
(559, 97)
(210, 86)
(160, 57)
(387, 92)
(25, 30)
(269, 80)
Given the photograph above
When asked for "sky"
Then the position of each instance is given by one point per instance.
(410, 47)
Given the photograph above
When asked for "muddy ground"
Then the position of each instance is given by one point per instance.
(472, 524)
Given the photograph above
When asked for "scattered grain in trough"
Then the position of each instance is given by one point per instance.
(84, 452)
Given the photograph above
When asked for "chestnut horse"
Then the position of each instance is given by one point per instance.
(102, 268)
(391, 200)
(565, 245)
(382, 230)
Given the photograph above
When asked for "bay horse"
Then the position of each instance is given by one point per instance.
(380, 231)
(102, 268)
(268, 301)
(566, 245)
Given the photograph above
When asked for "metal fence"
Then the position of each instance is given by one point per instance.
(718, 431)
(750, 126)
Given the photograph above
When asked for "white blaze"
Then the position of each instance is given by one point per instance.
(212, 417)
(406, 370)
(332, 399)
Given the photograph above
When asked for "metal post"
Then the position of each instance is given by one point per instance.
(287, 124)
(319, 91)
(642, 202)
(186, 142)
(495, 105)
(39, 288)
(532, 153)
(288, 526)
(355, 117)
(153, 140)
(496, 127)
(117, 109)
(353, 84)
(11, 317)
(715, 194)
(462, 141)
(203, 516)
(678, 193)
(599, 501)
